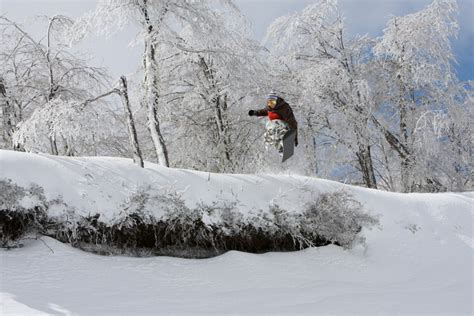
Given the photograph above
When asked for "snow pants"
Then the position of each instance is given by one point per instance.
(275, 130)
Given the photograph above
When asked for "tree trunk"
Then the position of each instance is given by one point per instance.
(54, 145)
(132, 132)
(406, 175)
(365, 162)
(52, 89)
(222, 126)
(152, 95)
(68, 147)
(405, 166)
(154, 128)
(404, 153)
(312, 147)
(6, 114)
(220, 111)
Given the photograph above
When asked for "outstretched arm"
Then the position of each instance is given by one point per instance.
(261, 112)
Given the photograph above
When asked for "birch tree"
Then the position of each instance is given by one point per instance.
(132, 131)
(159, 22)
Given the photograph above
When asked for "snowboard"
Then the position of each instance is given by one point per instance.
(288, 145)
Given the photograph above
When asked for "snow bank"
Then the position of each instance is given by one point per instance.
(419, 261)
(102, 184)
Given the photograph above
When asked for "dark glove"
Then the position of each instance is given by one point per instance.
(296, 142)
(252, 113)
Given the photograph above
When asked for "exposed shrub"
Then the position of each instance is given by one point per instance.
(162, 224)
(22, 211)
(336, 217)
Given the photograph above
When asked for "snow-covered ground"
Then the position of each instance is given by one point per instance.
(419, 261)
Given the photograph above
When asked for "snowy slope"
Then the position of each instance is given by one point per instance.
(102, 184)
(419, 261)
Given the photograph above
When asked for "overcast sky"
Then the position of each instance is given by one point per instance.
(362, 17)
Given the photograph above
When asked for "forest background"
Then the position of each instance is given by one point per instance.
(172, 82)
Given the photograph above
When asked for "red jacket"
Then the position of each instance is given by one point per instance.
(273, 116)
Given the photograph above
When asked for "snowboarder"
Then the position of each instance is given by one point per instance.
(281, 122)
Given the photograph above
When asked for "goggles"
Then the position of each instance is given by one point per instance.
(271, 103)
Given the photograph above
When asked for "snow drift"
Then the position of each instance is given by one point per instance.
(418, 260)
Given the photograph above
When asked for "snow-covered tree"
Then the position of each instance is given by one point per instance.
(416, 53)
(324, 68)
(214, 75)
(160, 23)
(390, 102)
(40, 80)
